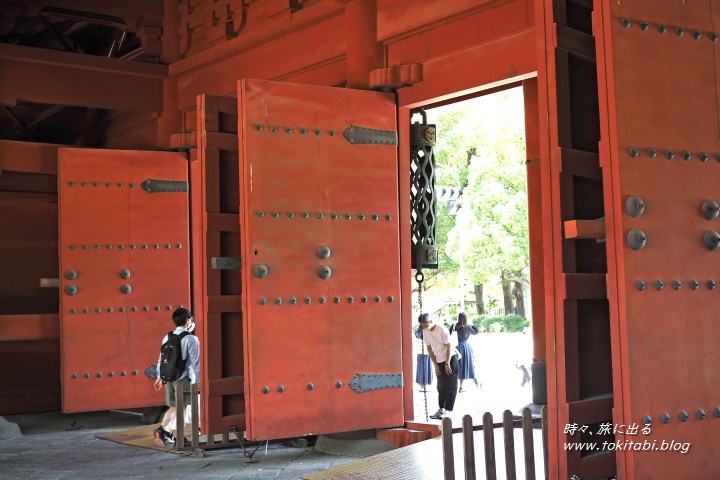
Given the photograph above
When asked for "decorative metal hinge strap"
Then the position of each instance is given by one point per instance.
(153, 185)
(151, 371)
(369, 136)
(367, 382)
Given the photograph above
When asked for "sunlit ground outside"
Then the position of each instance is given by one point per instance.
(496, 357)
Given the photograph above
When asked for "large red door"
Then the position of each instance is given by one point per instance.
(320, 269)
(124, 267)
(660, 149)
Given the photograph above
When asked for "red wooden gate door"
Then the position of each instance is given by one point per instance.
(661, 149)
(124, 267)
(320, 254)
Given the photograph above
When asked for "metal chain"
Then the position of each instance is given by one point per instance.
(419, 278)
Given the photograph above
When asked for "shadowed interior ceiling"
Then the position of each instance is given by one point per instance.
(127, 30)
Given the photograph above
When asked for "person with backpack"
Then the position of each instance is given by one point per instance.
(178, 364)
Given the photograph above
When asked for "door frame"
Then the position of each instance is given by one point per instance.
(448, 79)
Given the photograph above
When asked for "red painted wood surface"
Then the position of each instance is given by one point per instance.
(666, 339)
(29, 323)
(104, 220)
(535, 218)
(396, 18)
(295, 344)
(578, 326)
(447, 34)
(506, 60)
(45, 76)
(216, 293)
(28, 157)
(34, 385)
(585, 229)
(29, 327)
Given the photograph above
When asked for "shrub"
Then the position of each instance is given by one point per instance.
(514, 323)
(510, 323)
(477, 321)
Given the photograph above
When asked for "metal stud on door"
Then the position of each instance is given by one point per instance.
(319, 210)
(123, 251)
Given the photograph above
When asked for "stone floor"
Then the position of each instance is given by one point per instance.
(56, 446)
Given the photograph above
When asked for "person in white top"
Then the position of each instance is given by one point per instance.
(445, 360)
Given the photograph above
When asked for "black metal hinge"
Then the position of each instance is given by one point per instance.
(369, 136)
(153, 185)
(367, 382)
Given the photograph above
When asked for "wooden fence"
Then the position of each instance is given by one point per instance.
(488, 428)
(196, 444)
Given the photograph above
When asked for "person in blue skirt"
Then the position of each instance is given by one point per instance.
(466, 367)
(423, 359)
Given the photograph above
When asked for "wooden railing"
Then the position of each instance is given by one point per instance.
(195, 442)
(488, 428)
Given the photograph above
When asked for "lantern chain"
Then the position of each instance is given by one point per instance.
(419, 278)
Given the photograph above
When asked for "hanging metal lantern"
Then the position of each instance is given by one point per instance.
(423, 200)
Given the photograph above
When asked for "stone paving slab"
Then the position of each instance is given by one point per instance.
(56, 446)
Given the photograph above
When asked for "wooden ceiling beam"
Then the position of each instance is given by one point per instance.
(62, 78)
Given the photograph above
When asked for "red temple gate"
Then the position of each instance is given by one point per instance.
(626, 108)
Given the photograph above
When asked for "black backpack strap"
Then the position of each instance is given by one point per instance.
(182, 335)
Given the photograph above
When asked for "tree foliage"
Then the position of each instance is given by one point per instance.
(482, 149)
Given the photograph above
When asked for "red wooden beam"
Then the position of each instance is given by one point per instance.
(29, 327)
(397, 18)
(585, 229)
(63, 78)
(488, 65)
(27, 157)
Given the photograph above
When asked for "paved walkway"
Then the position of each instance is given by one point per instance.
(59, 446)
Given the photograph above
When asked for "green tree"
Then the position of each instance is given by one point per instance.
(453, 141)
(483, 150)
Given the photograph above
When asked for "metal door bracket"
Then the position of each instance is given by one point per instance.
(151, 371)
(367, 382)
(225, 263)
(369, 136)
(153, 185)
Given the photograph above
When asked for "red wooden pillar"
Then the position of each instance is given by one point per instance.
(364, 52)
(535, 220)
(578, 331)
(406, 279)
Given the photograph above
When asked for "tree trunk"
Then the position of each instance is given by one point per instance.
(511, 277)
(507, 296)
(519, 299)
(479, 302)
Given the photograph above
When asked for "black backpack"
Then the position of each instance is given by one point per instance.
(172, 364)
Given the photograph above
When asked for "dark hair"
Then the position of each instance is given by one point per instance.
(180, 316)
(424, 318)
(462, 318)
